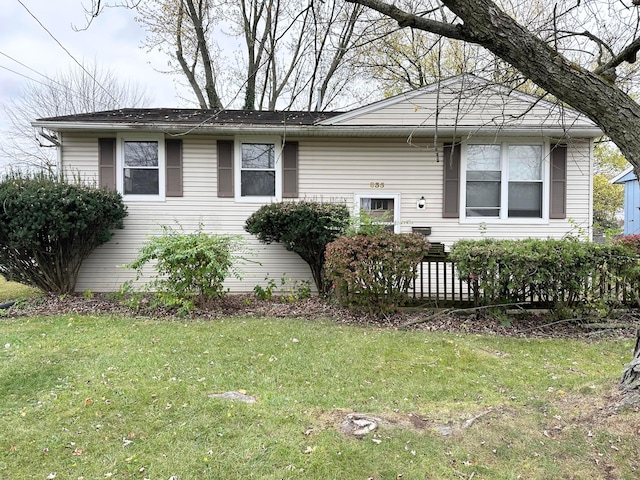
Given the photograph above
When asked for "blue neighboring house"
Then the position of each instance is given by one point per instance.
(631, 200)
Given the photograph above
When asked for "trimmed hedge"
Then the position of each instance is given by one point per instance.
(374, 272)
(566, 271)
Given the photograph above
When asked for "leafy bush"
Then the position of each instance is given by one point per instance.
(49, 226)
(190, 267)
(365, 224)
(304, 227)
(565, 272)
(288, 292)
(374, 271)
(629, 241)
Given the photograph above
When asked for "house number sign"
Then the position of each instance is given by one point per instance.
(376, 185)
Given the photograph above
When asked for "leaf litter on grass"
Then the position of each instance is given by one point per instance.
(501, 430)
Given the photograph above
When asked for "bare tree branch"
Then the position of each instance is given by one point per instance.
(66, 93)
(483, 23)
(629, 55)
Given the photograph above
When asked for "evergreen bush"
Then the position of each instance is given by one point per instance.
(49, 226)
(303, 227)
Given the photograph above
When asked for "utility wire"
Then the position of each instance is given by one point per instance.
(23, 64)
(23, 75)
(66, 51)
(64, 89)
(52, 80)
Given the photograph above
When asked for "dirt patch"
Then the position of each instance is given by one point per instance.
(347, 422)
(614, 411)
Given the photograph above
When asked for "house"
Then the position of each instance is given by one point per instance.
(631, 200)
(462, 158)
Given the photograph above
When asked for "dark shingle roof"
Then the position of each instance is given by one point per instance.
(183, 116)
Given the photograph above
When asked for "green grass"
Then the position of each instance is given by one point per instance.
(14, 291)
(104, 397)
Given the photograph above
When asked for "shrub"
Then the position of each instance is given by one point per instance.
(375, 271)
(566, 272)
(49, 226)
(630, 241)
(190, 267)
(288, 292)
(304, 227)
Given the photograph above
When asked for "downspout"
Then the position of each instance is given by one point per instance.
(59, 159)
(52, 138)
(58, 144)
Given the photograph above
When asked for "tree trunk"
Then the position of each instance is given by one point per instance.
(483, 23)
(630, 380)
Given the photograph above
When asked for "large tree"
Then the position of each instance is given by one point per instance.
(544, 56)
(539, 56)
(258, 54)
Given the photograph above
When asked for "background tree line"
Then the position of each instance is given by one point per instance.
(339, 54)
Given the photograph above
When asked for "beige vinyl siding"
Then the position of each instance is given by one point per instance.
(329, 170)
(335, 170)
(470, 109)
(80, 157)
(103, 272)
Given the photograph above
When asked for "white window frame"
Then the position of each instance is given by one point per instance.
(141, 137)
(504, 183)
(277, 152)
(396, 205)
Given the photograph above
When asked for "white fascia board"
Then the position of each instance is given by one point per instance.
(324, 130)
(623, 174)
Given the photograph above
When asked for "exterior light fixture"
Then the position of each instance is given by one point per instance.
(421, 204)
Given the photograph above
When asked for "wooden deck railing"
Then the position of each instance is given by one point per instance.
(438, 283)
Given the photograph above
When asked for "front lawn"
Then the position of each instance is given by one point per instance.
(14, 291)
(94, 397)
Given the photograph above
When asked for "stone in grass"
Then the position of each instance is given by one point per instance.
(359, 424)
(236, 396)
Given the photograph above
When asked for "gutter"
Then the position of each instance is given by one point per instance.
(320, 130)
(7, 305)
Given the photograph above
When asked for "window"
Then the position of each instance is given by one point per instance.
(381, 209)
(141, 174)
(504, 181)
(259, 169)
(141, 167)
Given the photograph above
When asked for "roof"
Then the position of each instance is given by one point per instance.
(625, 176)
(185, 116)
(459, 106)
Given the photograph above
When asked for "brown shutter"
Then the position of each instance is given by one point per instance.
(558, 190)
(225, 168)
(290, 170)
(107, 163)
(451, 185)
(173, 153)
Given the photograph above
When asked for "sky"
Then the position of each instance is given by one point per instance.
(113, 41)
